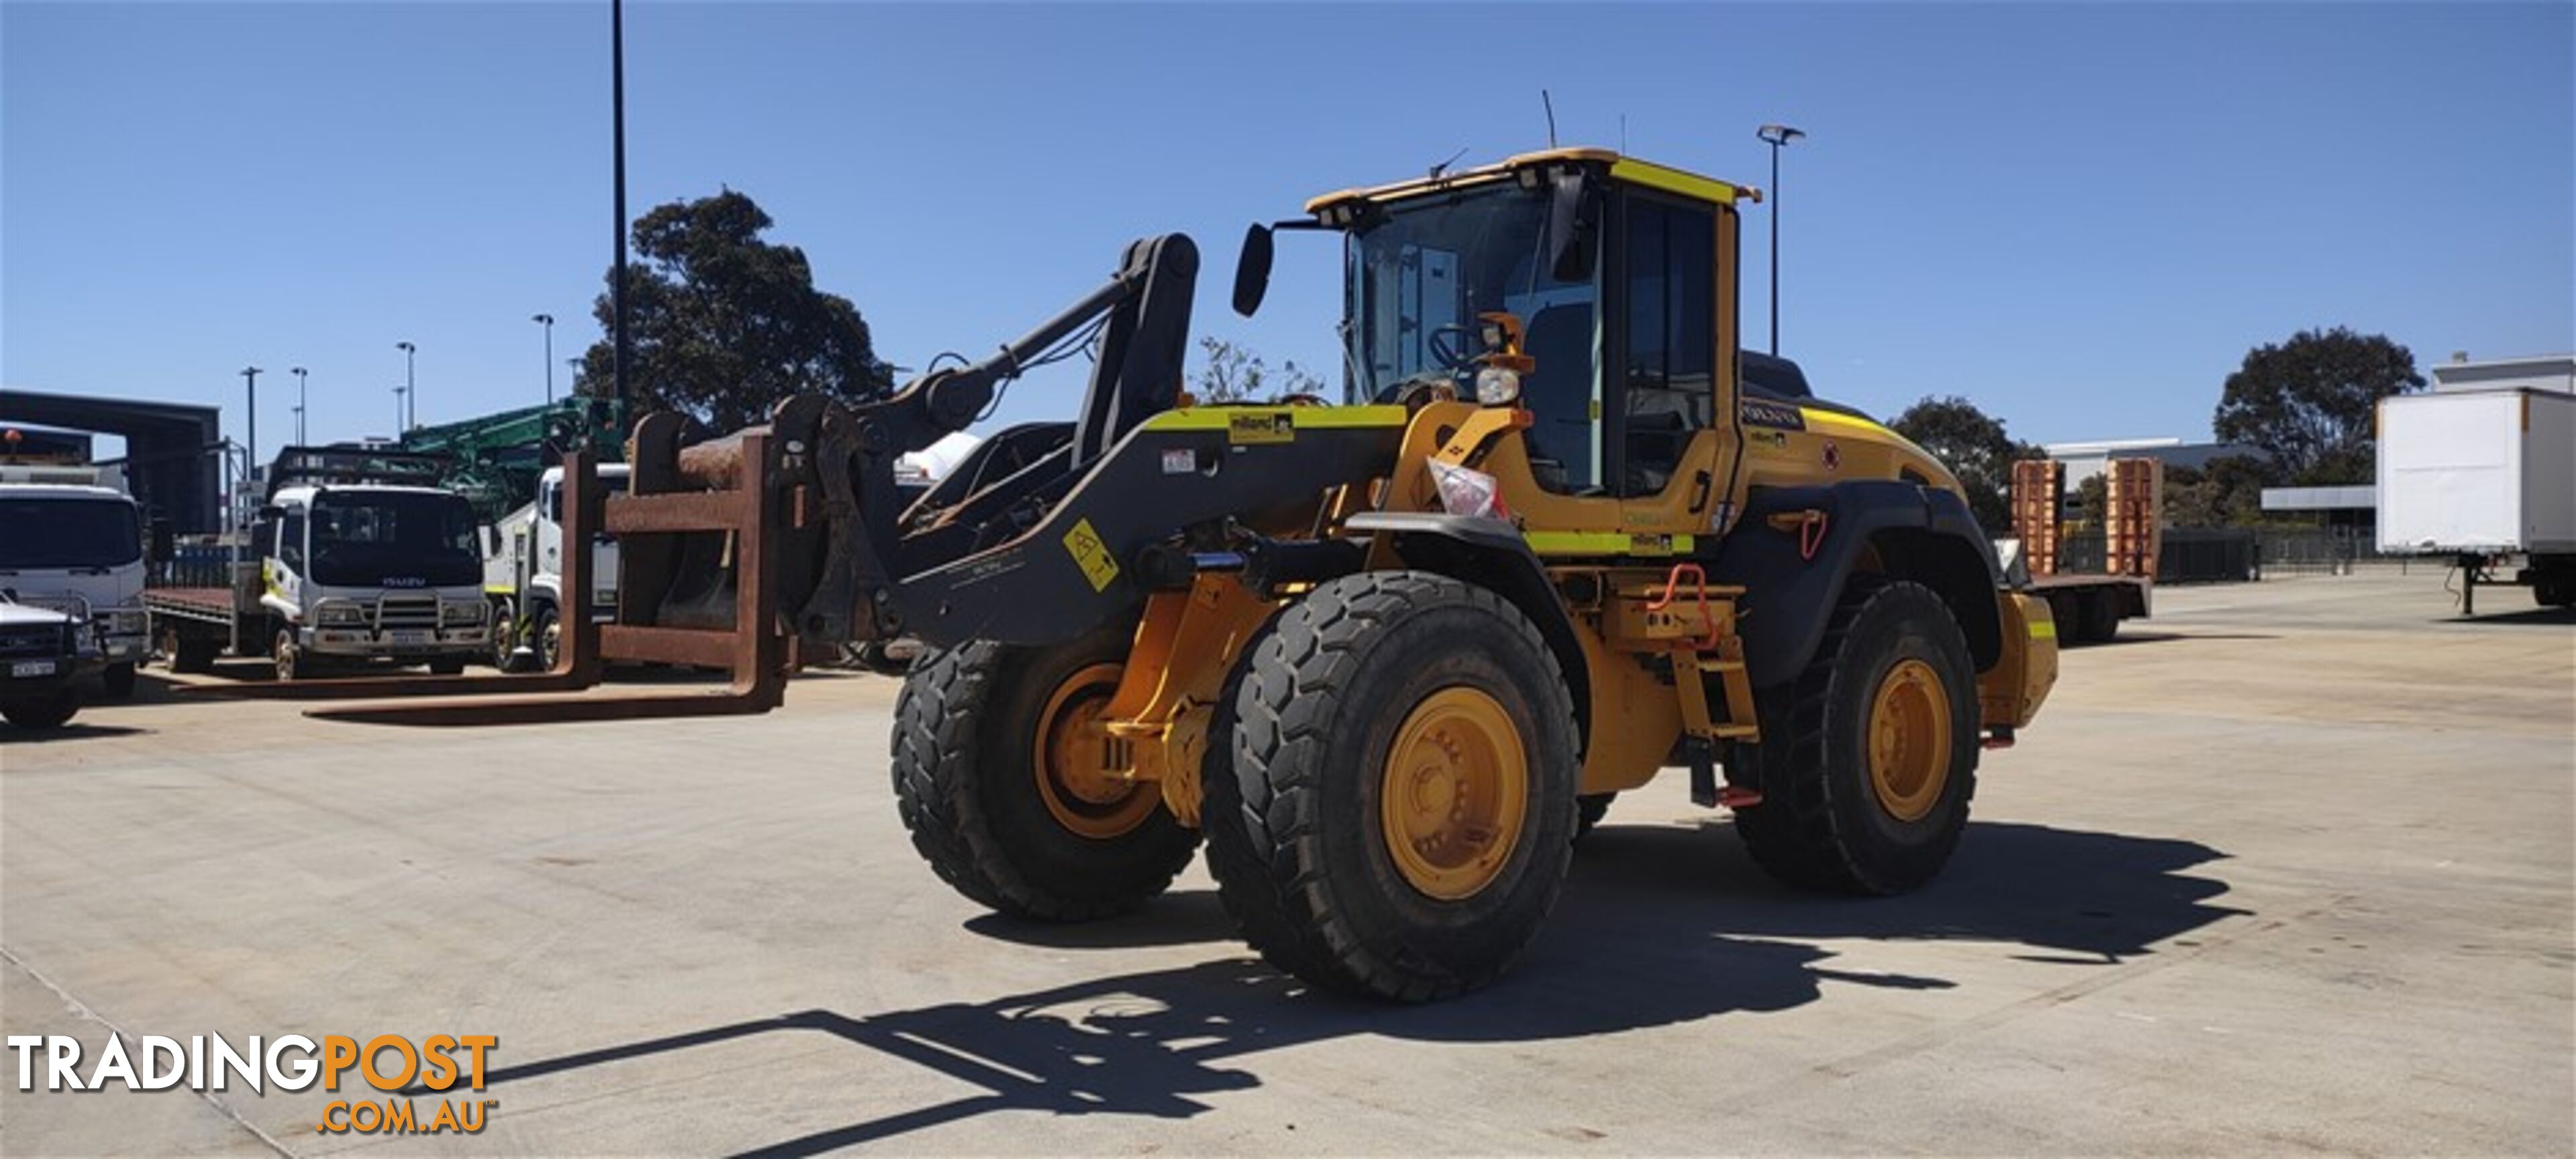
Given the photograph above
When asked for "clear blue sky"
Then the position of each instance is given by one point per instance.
(2079, 216)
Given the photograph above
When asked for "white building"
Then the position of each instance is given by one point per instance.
(2085, 460)
(2538, 372)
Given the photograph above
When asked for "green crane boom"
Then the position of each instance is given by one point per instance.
(498, 457)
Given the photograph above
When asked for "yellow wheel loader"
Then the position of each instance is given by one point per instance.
(1384, 654)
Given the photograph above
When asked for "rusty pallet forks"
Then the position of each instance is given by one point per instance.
(658, 506)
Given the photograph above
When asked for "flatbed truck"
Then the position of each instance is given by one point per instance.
(352, 559)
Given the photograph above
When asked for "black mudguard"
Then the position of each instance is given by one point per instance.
(1790, 587)
(1491, 553)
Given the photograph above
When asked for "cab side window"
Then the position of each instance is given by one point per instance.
(290, 541)
(1670, 377)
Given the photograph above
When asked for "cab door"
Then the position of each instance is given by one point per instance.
(1665, 441)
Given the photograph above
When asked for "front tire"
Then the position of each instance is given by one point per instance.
(49, 712)
(118, 681)
(1869, 757)
(1399, 812)
(1000, 778)
(291, 662)
(505, 634)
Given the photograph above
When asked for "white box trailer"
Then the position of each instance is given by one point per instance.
(2483, 476)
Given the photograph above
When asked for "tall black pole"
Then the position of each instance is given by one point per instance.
(1775, 249)
(548, 321)
(410, 418)
(298, 372)
(250, 389)
(1776, 136)
(617, 99)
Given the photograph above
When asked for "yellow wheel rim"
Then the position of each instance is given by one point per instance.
(1455, 794)
(1909, 740)
(1070, 756)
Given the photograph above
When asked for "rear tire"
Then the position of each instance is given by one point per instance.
(2098, 618)
(1855, 801)
(545, 634)
(1589, 809)
(1442, 692)
(189, 654)
(49, 712)
(995, 818)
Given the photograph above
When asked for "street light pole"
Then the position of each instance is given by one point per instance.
(410, 418)
(399, 391)
(1776, 136)
(298, 372)
(548, 321)
(617, 105)
(250, 386)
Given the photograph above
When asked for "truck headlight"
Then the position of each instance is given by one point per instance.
(339, 612)
(123, 622)
(460, 613)
(1498, 386)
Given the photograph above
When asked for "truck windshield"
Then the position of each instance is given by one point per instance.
(68, 533)
(394, 539)
(1421, 273)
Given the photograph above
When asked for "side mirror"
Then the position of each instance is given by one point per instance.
(1569, 233)
(163, 542)
(1252, 270)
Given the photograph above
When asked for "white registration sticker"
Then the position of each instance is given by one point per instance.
(31, 668)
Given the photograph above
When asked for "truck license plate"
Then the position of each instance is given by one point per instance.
(414, 636)
(31, 668)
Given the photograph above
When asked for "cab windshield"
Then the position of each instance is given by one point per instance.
(1418, 276)
(364, 538)
(68, 533)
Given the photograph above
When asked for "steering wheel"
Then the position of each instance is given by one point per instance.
(1451, 357)
(1400, 389)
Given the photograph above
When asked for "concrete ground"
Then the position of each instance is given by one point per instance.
(2290, 868)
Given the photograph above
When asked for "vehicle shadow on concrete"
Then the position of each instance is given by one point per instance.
(2557, 616)
(2134, 637)
(76, 730)
(1658, 926)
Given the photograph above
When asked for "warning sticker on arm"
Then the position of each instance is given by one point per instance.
(1091, 554)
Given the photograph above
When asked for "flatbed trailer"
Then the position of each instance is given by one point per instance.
(193, 625)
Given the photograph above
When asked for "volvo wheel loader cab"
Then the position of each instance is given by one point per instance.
(1384, 653)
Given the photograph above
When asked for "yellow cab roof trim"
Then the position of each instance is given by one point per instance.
(1630, 169)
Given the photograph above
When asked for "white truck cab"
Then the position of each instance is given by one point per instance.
(523, 573)
(368, 571)
(77, 548)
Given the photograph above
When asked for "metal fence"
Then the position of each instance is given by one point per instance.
(2238, 554)
(193, 565)
(2187, 555)
(2320, 551)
